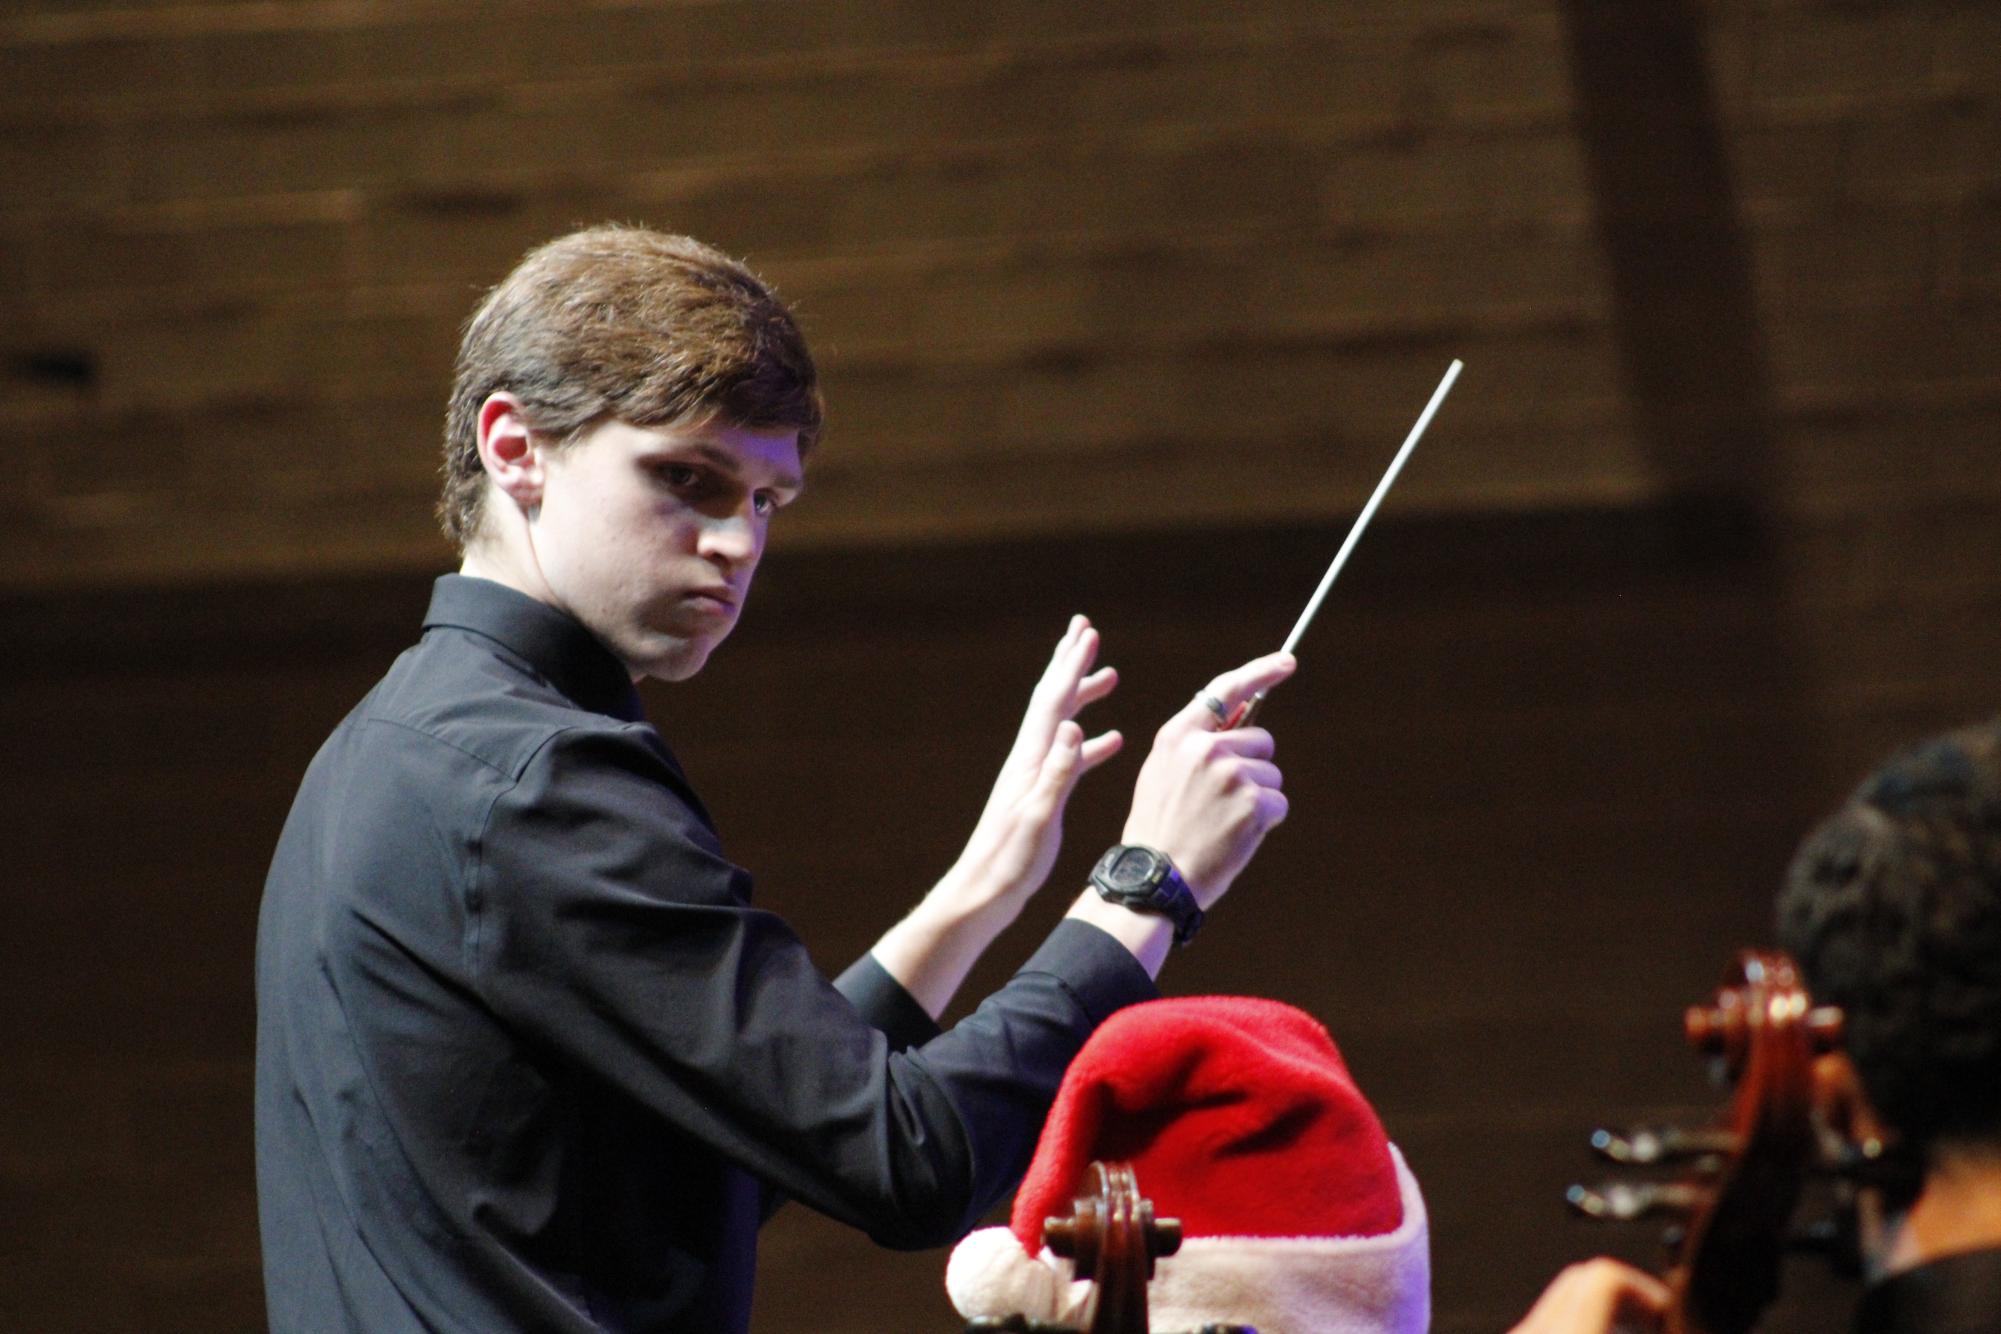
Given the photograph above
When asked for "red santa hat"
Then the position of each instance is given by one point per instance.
(1240, 1119)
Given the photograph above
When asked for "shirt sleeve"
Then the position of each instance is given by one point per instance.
(881, 1000)
(883, 1003)
(606, 926)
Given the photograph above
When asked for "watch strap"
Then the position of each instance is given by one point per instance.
(1161, 892)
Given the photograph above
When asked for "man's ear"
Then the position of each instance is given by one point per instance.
(1888, 1177)
(510, 450)
(1844, 1107)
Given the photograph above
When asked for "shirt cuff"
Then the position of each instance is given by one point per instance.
(881, 1000)
(1100, 972)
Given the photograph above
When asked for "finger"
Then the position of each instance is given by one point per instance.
(1099, 749)
(1060, 768)
(1057, 691)
(1253, 743)
(1261, 772)
(1095, 687)
(1239, 684)
(1051, 700)
(1645, 1292)
(1595, 1294)
(1060, 673)
(1232, 688)
(1272, 807)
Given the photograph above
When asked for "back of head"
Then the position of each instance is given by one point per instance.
(621, 322)
(1893, 909)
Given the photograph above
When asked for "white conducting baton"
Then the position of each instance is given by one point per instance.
(1249, 708)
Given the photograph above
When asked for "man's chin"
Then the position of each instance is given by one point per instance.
(672, 659)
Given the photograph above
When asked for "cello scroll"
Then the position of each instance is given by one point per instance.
(1739, 1181)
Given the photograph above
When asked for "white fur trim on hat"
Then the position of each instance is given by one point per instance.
(990, 1275)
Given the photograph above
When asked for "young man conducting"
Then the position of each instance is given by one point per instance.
(528, 1058)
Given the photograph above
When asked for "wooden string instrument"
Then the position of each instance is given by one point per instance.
(1737, 1182)
(1113, 1239)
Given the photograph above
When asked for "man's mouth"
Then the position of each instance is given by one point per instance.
(718, 597)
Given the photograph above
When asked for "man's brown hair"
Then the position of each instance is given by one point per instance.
(622, 322)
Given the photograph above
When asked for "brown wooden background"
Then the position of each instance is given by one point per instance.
(1122, 308)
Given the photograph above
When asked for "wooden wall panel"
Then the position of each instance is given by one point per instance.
(1144, 241)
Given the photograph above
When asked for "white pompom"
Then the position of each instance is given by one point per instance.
(990, 1275)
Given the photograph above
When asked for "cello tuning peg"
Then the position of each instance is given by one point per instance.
(1634, 1146)
(1590, 1203)
(1621, 1201)
(1663, 1145)
(1717, 1030)
(1703, 1026)
(1618, 1201)
(1877, 1164)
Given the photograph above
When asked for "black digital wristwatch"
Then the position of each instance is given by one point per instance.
(1144, 880)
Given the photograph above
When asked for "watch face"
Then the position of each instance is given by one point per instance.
(1134, 868)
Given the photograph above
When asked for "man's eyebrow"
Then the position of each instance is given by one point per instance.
(726, 461)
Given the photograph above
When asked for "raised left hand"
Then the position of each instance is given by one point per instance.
(1014, 845)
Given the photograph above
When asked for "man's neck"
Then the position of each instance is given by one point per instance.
(1958, 1210)
(501, 562)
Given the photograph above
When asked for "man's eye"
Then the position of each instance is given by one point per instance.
(679, 475)
(765, 502)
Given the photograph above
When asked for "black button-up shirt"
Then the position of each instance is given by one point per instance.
(1954, 1294)
(527, 1057)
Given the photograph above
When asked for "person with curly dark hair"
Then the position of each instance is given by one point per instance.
(1892, 909)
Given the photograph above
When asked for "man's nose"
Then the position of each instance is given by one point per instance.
(733, 537)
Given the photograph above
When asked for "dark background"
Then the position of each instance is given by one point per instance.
(1122, 311)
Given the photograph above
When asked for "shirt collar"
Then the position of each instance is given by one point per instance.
(552, 642)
